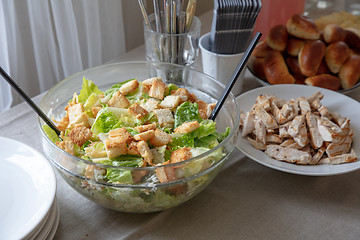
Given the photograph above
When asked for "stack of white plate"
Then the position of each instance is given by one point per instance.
(28, 207)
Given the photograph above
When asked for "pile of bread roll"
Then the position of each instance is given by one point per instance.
(300, 53)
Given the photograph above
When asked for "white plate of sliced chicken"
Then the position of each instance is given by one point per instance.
(300, 129)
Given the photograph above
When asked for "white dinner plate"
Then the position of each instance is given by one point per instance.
(334, 101)
(49, 229)
(28, 185)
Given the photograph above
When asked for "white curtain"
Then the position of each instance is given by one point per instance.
(44, 41)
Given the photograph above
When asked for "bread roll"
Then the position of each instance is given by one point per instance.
(336, 54)
(325, 81)
(293, 65)
(350, 72)
(258, 68)
(323, 69)
(353, 41)
(277, 38)
(294, 46)
(334, 33)
(311, 56)
(261, 50)
(275, 68)
(302, 27)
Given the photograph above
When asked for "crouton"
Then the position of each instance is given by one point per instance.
(210, 108)
(149, 81)
(79, 134)
(170, 102)
(160, 138)
(115, 147)
(67, 146)
(144, 136)
(182, 93)
(157, 89)
(119, 100)
(166, 174)
(164, 116)
(95, 110)
(180, 155)
(63, 123)
(138, 175)
(144, 128)
(203, 109)
(129, 87)
(75, 110)
(89, 172)
(145, 152)
(187, 127)
(137, 111)
(79, 119)
(149, 104)
(132, 148)
(121, 133)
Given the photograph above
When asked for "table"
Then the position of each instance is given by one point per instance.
(245, 201)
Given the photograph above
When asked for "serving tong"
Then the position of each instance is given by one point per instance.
(233, 24)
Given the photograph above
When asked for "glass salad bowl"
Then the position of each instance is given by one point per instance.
(139, 189)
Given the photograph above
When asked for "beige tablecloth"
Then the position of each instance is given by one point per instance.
(245, 201)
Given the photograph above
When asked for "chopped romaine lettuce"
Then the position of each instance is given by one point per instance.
(116, 87)
(51, 134)
(104, 122)
(187, 112)
(114, 175)
(88, 87)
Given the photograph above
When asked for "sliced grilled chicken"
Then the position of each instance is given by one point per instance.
(290, 143)
(337, 118)
(260, 131)
(317, 156)
(304, 105)
(288, 154)
(273, 138)
(329, 131)
(302, 137)
(248, 124)
(316, 140)
(295, 125)
(266, 118)
(276, 112)
(344, 158)
(334, 149)
(257, 144)
(316, 96)
(263, 102)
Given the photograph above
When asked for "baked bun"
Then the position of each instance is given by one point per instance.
(275, 68)
(293, 65)
(334, 33)
(261, 50)
(302, 27)
(325, 81)
(258, 68)
(277, 38)
(310, 57)
(353, 41)
(323, 68)
(350, 72)
(336, 54)
(294, 46)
